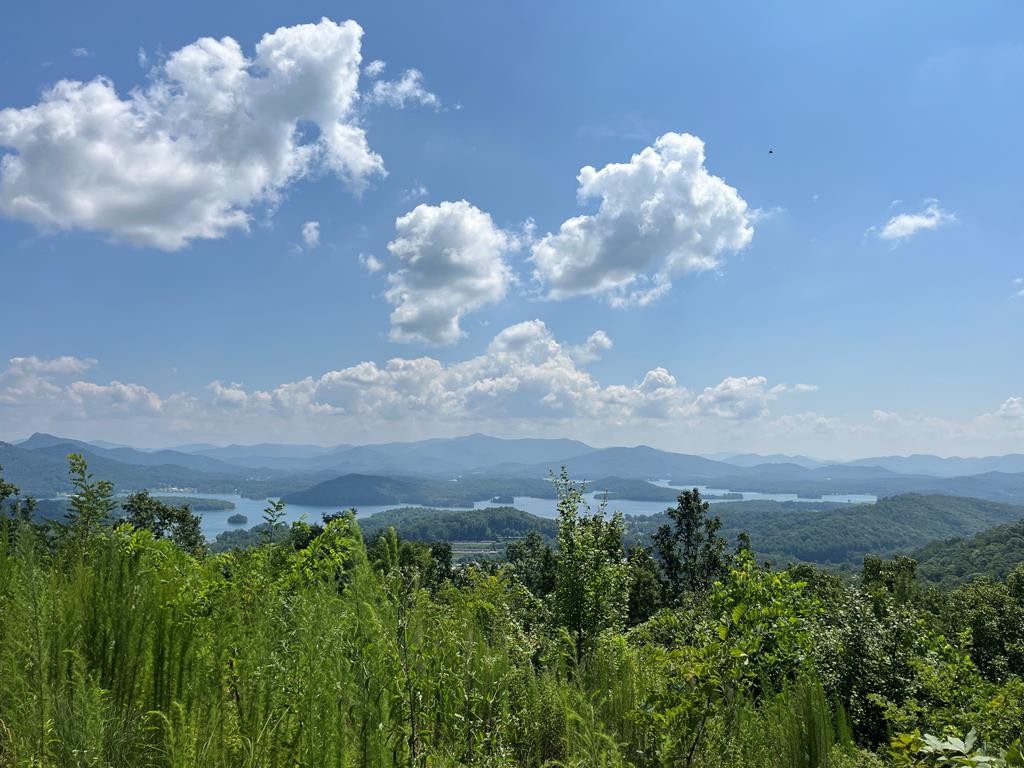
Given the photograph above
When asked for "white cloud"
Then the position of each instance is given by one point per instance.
(525, 376)
(1018, 290)
(98, 400)
(311, 234)
(526, 382)
(142, 57)
(408, 89)
(415, 192)
(371, 263)
(374, 68)
(591, 350)
(905, 225)
(44, 388)
(662, 214)
(80, 53)
(213, 134)
(1012, 409)
(453, 263)
(67, 364)
(737, 397)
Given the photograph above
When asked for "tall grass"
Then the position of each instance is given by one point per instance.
(126, 651)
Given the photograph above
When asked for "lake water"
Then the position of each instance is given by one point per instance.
(838, 498)
(215, 522)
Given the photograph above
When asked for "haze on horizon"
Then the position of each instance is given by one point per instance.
(797, 233)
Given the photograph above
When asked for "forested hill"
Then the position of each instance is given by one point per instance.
(994, 553)
(842, 534)
(427, 525)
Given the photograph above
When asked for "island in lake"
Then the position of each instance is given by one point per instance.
(238, 519)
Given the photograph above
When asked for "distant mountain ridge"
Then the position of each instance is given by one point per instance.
(953, 466)
(753, 459)
(521, 465)
(41, 441)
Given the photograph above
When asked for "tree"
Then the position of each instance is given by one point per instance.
(440, 564)
(92, 502)
(690, 552)
(644, 585)
(534, 563)
(273, 514)
(165, 521)
(591, 573)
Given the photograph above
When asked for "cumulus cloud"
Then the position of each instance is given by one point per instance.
(661, 215)
(591, 350)
(1018, 287)
(45, 388)
(67, 364)
(526, 381)
(374, 68)
(407, 89)
(525, 375)
(452, 262)
(311, 234)
(737, 397)
(1012, 409)
(371, 263)
(80, 53)
(213, 134)
(906, 225)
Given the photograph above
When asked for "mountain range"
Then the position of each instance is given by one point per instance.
(415, 472)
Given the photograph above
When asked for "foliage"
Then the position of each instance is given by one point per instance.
(121, 647)
(691, 553)
(164, 521)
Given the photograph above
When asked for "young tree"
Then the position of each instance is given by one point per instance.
(534, 563)
(591, 573)
(92, 502)
(644, 585)
(690, 552)
(165, 521)
(273, 514)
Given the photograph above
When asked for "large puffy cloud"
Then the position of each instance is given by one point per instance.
(37, 387)
(525, 375)
(661, 214)
(905, 225)
(213, 134)
(452, 262)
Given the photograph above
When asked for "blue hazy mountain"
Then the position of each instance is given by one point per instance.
(41, 441)
(753, 459)
(953, 466)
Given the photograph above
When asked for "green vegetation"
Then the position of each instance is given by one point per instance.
(994, 553)
(840, 535)
(197, 503)
(130, 645)
(493, 524)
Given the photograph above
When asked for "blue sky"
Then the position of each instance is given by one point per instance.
(852, 292)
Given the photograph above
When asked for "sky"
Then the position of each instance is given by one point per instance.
(704, 227)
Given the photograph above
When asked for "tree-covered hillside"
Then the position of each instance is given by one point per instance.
(993, 553)
(842, 534)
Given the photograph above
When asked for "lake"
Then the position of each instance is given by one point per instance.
(217, 521)
(837, 498)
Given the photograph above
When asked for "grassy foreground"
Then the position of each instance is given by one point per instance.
(119, 646)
